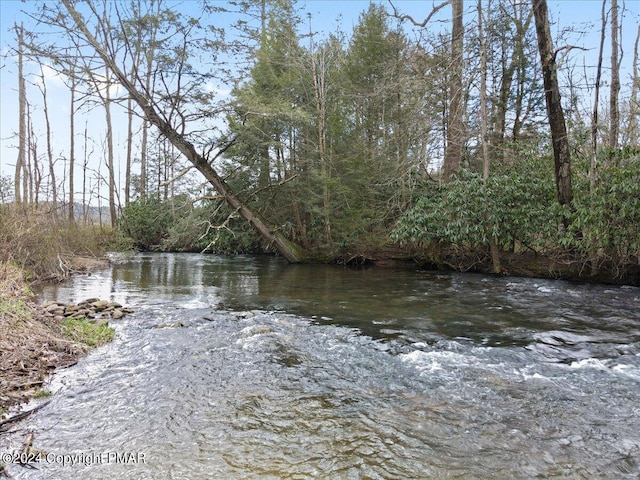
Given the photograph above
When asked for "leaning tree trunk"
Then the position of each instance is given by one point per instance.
(561, 152)
(291, 251)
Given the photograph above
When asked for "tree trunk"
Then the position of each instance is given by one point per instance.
(318, 72)
(52, 174)
(561, 152)
(85, 165)
(634, 107)
(292, 252)
(72, 139)
(127, 170)
(594, 116)
(110, 163)
(614, 111)
(493, 247)
(22, 113)
(455, 130)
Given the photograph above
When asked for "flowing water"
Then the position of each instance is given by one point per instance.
(246, 367)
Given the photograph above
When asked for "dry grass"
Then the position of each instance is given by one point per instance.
(45, 245)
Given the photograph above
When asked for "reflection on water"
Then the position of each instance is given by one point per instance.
(285, 371)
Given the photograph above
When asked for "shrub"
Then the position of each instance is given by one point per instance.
(146, 221)
(44, 244)
(520, 207)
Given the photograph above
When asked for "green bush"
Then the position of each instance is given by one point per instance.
(176, 225)
(146, 221)
(519, 207)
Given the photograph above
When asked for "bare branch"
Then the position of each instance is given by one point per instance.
(412, 20)
(567, 49)
(178, 176)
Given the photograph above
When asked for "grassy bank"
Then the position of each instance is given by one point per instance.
(31, 345)
(38, 245)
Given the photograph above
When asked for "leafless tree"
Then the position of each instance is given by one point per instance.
(456, 129)
(594, 116)
(161, 121)
(614, 109)
(22, 118)
(559, 138)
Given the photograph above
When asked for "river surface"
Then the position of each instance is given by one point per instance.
(249, 368)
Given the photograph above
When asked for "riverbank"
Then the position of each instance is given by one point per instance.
(558, 266)
(33, 343)
(532, 265)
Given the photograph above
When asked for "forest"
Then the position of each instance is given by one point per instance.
(469, 138)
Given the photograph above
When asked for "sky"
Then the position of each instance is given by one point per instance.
(327, 16)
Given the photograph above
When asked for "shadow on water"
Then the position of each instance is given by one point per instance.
(247, 367)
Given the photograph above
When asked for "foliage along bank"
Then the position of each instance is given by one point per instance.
(334, 140)
(517, 209)
(450, 225)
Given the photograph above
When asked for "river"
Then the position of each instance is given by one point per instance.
(250, 368)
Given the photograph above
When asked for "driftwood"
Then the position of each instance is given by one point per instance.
(22, 415)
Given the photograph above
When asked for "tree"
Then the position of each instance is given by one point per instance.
(555, 113)
(614, 110)
(72, 144)
(22, 119)
(162, 121)
(634, 102)
(51, 163)
(495, 255)
(594, 115)
(456, 129)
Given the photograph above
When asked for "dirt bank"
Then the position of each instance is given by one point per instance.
(34, 342)
(31, 346)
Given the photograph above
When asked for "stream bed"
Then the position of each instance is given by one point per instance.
(247, 367)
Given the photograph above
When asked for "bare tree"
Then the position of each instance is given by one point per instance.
(614, 109)
(493, 247)
(31, 175)
(51, 163)
(129, 158)
(455, 130)
(106, 100)
(594, 116)
(72, 143)
(634, 102)
(22, 114)
(559, 138)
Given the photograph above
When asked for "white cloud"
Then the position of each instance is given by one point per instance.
(52, 77)
(210, 87)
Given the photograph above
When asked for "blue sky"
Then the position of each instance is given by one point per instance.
(327, 16)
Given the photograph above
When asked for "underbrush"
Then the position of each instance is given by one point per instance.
(29, 347)
(597, 237)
